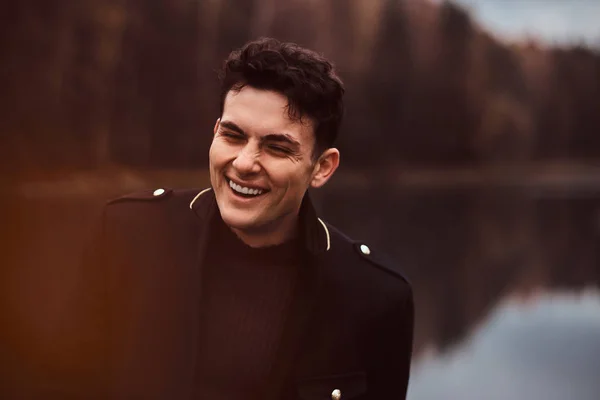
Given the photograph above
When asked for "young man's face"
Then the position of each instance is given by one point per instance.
(261, 165)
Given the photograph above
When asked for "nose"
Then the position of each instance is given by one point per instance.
(246, 162)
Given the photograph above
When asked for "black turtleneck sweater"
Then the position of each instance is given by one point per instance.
(246, 294)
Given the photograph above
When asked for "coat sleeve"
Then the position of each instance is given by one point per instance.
(391, 358)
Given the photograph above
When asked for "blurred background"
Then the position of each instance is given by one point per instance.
(470, 153)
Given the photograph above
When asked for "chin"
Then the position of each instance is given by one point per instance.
(237, 220)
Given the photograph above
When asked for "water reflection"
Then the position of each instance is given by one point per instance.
(547, 348)
(465, 246)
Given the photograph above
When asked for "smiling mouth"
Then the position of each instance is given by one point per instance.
(244, 191)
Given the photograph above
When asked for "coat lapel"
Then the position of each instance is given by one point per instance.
(204, 206)
(309, 287)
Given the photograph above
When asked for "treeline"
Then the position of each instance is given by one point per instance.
(96, 82)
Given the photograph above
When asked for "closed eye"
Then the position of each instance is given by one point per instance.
(280, 149)
(233, 136)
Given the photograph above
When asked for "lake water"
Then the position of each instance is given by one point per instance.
(542, 348)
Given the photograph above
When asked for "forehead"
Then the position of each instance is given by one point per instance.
(263, 112)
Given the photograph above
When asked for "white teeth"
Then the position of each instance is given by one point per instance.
(244, 190)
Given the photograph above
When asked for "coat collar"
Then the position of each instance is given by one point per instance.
(316, 234)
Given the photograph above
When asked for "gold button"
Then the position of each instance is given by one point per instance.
(336, 394)
(365, 249)
(159, 192)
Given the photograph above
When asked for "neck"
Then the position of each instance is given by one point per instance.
(267, 236)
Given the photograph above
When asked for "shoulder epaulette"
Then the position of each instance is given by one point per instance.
(146, 195)
(378, 259)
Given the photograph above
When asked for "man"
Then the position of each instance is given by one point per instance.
(240, 291)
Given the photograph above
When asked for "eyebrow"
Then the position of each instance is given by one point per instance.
(274, 137)
(232, 127)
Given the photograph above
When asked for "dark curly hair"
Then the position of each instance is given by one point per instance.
(306, 78)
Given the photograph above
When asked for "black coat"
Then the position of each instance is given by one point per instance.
(350, 325)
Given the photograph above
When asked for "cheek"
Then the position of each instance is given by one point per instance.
(288, 177)
(217, 154)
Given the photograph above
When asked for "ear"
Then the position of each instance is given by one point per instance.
(216, 128)
(325, 167)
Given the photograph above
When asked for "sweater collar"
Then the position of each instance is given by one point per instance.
(316, 233)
